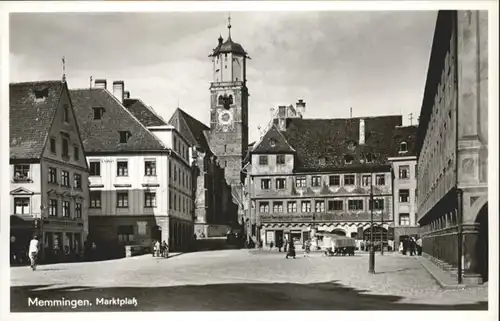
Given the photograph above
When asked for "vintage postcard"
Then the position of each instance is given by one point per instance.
(236, 157)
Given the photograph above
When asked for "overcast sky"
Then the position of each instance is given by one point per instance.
(374, 62)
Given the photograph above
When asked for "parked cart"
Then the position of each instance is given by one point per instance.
(335, 245)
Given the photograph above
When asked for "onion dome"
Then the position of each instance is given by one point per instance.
(229, 46)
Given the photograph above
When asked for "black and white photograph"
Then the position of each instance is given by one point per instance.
(221, 156)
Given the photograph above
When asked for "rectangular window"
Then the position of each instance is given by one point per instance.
(380, 179)
(77, 180)
(149, 199)
(76, 153)
(366, 180)
(263, 160)
(265, 183)
(306, 206)
(349, 180)
(95, 168)
(53, 207)
(65, 147)
(404, 219)
(280, 183)
(21, 173)
(98, 113)
(175, 173)
(336, 205)
(65, 208)
(65, 178)
(175, 144)
(124, 136)
(78, 210)
(277, 207)
(22, 205)
(122, 199)
(125, 233)
(280, 159)
(404, 172)
(53, 149)
(316, 181)
(334, 180)
(300, 181)
(264, 207)
(416, 171)
(355, 205)
(66, 114)
(404, 195)
(170, 200)
(379, 204)
(320, 206)
(95, 199)
(122, 168)
(292, 207)
(150, 168)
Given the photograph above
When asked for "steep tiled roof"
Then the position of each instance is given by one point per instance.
(190, 128)
(324, 144)
(103, 135)
(273, 142)
(32, 110)
(143, 113)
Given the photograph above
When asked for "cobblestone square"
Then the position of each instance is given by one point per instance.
(243, 280)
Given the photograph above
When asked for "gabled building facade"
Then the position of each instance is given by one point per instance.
(214, 211)
(140, 177)
(452, 146)
(317, 174)
(404, 185)
(49, 173)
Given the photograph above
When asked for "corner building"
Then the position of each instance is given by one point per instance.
(48, 172)
(452, 146)
(310, 175)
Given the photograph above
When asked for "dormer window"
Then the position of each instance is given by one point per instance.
(403, 147)
(369, 158)
(322, 161)
(348, 159)
(41, 94)
(98, 112)
(124, 136)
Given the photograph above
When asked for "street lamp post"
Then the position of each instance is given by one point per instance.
(371, 263)
(382, 233)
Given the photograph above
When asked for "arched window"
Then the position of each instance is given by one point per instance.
(221, 100)
(403, 147)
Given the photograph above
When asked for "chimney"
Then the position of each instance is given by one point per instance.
(100, 83)
(126, 95)
(301, 107)
(282, 118)
(118, 87)
(361, 132)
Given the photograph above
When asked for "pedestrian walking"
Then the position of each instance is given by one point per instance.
(285, 244)
(157, 249)
(291, 250)
(412, 246)
(307, 247)
(419, 246)
(33, 251)
(165, 249)
(153, 244)
(400, 247)
(271, 245)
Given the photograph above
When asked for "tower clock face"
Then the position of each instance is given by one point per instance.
(225, 117)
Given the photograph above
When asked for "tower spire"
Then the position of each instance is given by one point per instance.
(64, 69)
(229, 24)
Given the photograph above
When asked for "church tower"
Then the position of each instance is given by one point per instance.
(229, 107)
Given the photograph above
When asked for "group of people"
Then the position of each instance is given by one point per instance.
(412, 245)
(160, 249)
(289, 247)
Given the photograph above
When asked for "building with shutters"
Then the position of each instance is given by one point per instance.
(308, 175)
(48, 172)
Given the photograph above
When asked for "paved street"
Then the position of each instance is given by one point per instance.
(242, 280)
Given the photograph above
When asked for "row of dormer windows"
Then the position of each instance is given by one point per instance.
(316, 181)
(306, 206)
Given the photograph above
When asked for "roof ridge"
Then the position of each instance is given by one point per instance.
(134, 118)
(35, 82)
(191, 117)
